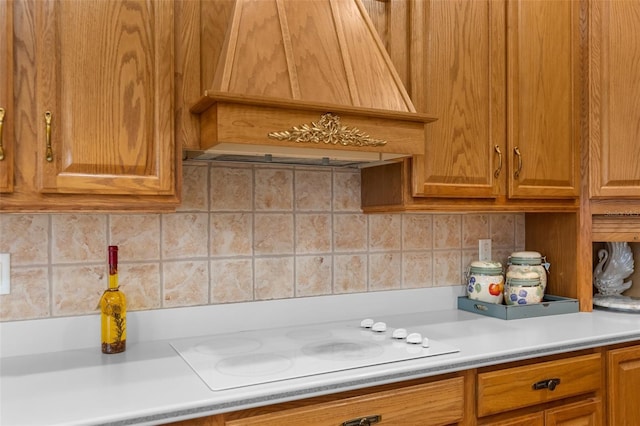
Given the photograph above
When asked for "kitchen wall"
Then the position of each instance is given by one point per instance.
(242, 233)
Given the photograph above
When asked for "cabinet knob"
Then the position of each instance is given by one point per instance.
(546, 384)
(363, 421)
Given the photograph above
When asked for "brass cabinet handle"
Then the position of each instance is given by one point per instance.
(516, 173)
(1, 123)
(47, 120)
(363, 421)
(499, 169)
(546, 384)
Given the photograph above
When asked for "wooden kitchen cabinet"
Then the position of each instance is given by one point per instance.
(537, 383)
(6, 97)
(614, 122)
(623, 386)
(584, 413)
(464, 84)
(545, 46)
(94, 98)
(614, 101)
(423, 403)
(438, 403)
(612, 190)
(105, 75)
(485, 70)
(560, 391)
(509, 107)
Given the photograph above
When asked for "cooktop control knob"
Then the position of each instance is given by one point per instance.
(414, 338)
(379, 327)
(399, 333)
(425, 342)
(366, 323)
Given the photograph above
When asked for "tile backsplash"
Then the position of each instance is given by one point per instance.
(243, 233)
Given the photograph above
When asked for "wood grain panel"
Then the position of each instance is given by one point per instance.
(6, 96)
(188, 72)
(535, 419)
(614, 99)
(437, 403)
(585, 413)
(544, 99)
(391, 21)
(316, 51)
(202, 421)
(623, 386)
(36, 87)
(463, 86)
(458, 60)
(616, 228)
(108, 82)
(379, 195)
(378, 83)
(203, 27)
(577, 375)
(555, 235)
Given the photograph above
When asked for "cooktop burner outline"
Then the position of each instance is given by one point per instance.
(255, 364)
(342, 349)
(227, 345)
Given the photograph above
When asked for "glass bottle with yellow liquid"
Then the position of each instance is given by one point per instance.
(113, 310)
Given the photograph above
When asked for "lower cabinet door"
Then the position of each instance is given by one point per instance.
(623, 387)
(535, 419)
(584, 413)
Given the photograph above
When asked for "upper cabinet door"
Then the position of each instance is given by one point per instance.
(614, 99)
(544, 92)
(463, 85)
(105, 97)
(6, 97)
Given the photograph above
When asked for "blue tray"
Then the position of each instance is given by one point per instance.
(550, 305)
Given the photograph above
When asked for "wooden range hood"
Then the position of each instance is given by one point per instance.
(306, 81)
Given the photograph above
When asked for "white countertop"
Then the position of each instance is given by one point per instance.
(151, 384)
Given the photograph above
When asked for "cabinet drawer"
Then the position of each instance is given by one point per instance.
(437, 403)
(512, 388)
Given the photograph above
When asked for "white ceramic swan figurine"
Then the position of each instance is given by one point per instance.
(615, 264)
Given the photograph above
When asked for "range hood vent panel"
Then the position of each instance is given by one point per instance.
(287, 63)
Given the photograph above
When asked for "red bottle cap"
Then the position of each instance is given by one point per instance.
(113, 260)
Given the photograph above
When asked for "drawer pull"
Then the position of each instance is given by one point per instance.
(363, 421)
(1, 121)
(516, 173)
(496, 173)
(546, 384)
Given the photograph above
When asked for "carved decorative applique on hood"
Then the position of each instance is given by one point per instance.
(328, 131)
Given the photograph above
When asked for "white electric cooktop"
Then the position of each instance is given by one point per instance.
(234, 360)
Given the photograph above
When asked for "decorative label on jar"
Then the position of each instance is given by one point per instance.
(525, 290)
(485, 282)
